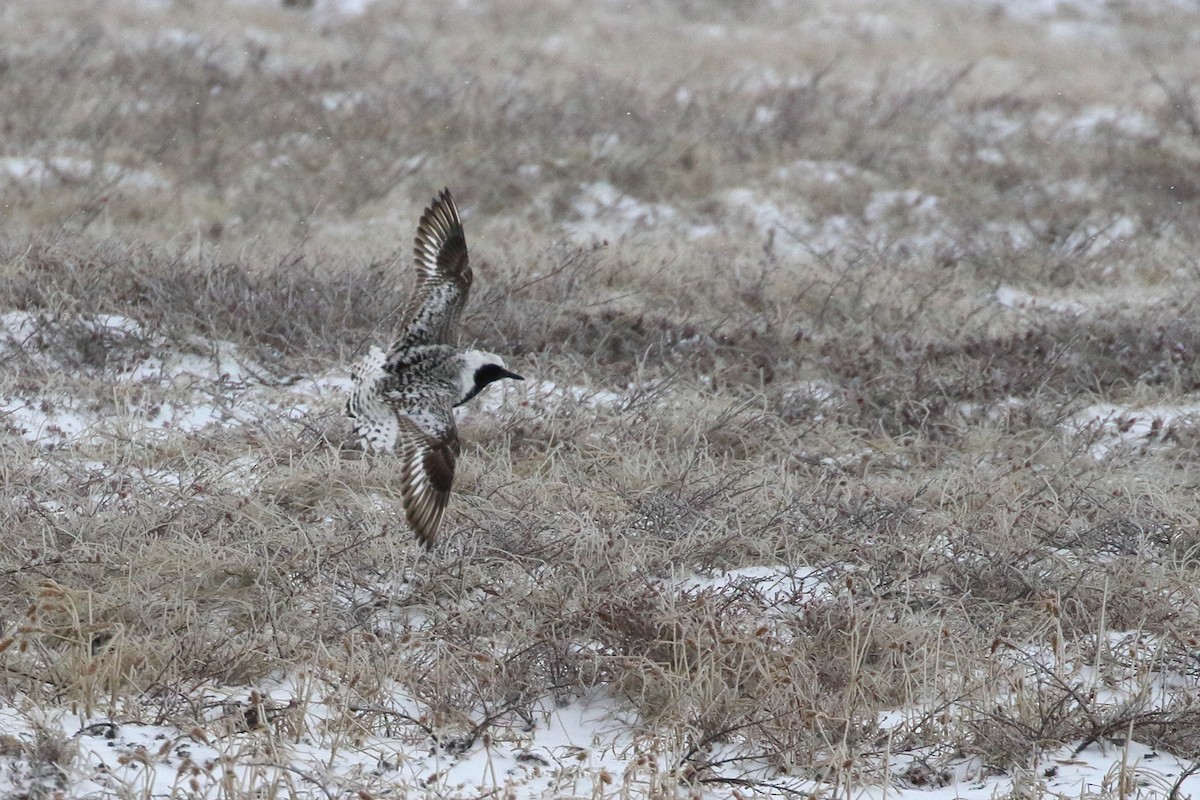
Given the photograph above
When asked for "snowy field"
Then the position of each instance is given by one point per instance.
(855, 455)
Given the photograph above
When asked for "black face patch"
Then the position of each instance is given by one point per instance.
(493, 372)
(487, 374)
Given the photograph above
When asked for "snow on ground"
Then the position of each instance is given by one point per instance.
(603, 212)
(572, 746)
(589, 745)
(1092, 10)
(559, 749)
(791, 228)
(579, 746)
(1015, 299)
(542, 394)
(1113, 427)
(210, 383)
(35, 171)
(349, 8)
(1125, 769)
(331, 8)
(606, 213)
(771, 585)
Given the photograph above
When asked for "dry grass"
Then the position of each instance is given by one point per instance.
(820, 381)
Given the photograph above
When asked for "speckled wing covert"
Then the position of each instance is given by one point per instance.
(426, 476)
(443, 277)
(374, 422)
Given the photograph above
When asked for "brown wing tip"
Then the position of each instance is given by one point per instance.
(425, 497)
(424, 538)
(441, 214)
(424, 521)
(439, 229)
(425, 528)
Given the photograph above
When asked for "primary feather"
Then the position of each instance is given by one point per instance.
(443, 277)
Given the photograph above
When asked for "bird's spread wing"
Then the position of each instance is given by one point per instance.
(443, 277)
(427, 473)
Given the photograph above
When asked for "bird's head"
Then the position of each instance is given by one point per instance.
(480, 369)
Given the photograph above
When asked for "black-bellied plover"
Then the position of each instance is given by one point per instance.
(403, 400)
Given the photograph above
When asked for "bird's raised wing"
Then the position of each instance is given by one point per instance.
(443, 277)
(426, 475)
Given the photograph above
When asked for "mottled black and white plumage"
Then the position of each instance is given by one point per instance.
(403, 401)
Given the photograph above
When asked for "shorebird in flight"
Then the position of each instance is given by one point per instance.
(403, 401)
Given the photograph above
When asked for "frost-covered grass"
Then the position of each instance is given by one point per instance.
(854, 457)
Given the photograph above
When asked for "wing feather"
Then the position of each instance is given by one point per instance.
(426, 477)
(443, 276)
(423, 438)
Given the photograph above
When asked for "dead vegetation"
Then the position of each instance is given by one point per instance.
(860, 412)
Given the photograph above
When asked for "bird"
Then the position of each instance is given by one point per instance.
(402, 401)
